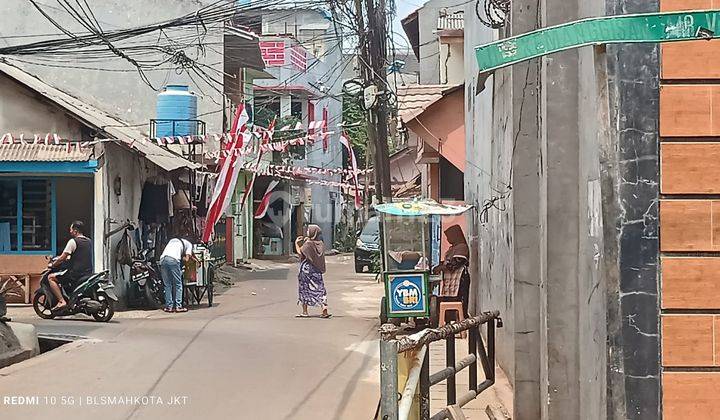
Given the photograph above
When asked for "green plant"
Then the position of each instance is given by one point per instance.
(375, 263)
(345, 237)
(353, 113)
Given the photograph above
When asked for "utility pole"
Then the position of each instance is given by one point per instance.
(364, 62)
(374, 55)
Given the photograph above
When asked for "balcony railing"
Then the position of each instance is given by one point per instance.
(454, 21)
(174, 128)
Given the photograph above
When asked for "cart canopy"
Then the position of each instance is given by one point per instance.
(425, 207)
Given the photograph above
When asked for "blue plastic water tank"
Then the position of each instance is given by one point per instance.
(176, 103)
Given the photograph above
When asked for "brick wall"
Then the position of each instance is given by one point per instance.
(273, 53)
(298, 57)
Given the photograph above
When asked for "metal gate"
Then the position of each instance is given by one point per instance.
(396, 405)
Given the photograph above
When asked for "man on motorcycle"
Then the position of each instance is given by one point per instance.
(79, 251)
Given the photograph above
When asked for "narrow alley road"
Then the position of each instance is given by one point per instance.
(245, 358)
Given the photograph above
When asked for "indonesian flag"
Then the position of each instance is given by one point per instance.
(238, 127)
(266, 138)
(229, 170)
(265, 202)
(346, 142)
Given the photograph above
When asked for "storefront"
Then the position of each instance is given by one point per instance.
(35, 212)
(49, 180)
(43, 188)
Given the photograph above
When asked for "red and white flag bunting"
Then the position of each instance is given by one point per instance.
(265, 202)
(268, 171)
(48, 140)
(229, 171)
(346, 142)
(267, 137)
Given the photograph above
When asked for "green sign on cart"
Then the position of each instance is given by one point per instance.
(640, 28)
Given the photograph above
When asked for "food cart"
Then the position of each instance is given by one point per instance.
(198, 277)
(410, 239)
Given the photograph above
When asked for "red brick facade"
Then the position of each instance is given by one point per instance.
(273, 53)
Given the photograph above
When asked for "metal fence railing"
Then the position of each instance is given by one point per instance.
(396, 405)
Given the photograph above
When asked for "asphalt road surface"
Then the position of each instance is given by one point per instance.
(248, 357)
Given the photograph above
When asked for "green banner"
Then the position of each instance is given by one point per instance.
(651, 27)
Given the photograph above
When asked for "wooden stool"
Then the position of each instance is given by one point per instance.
(451, 307)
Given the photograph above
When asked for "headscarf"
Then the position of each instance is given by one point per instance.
(458, 244)
(313, 249)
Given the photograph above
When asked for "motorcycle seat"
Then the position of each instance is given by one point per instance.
(83, 279)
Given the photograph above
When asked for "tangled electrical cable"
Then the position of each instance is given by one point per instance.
(495, 12)
(135, 45)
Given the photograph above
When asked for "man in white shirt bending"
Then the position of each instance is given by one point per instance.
(177, 252)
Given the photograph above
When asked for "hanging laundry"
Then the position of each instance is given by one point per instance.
(202, 206)
(154, 205)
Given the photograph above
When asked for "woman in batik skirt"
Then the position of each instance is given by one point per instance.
(311, 287)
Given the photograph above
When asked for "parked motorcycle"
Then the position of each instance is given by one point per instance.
(146, 281)
(92, 295)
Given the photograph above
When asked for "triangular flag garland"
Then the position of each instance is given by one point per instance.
(224, 138)
(241, 141)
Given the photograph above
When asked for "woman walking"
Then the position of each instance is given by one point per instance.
(311, 288)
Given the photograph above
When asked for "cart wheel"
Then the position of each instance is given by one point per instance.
(434, 314)
(383, 311)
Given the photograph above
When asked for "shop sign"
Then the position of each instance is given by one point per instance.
(406, 294)
(295, 195)
(308, 196)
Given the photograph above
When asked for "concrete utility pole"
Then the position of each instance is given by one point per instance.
(375, 53)
(364, 60)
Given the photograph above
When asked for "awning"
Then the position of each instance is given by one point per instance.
(242, 50)
(425, 207)
(413, 100)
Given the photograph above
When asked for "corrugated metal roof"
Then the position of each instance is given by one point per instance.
(413, 100)
(19, 152)
(94, 117)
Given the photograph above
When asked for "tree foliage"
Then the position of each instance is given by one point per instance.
(353, 113)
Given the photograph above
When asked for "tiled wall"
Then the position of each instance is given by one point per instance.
(690, 223)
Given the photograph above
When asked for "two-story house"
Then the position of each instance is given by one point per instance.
(303, 54)
(432, 112)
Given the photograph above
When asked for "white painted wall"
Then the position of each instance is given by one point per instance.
(452, 62)
(23, 112)
(133, 171)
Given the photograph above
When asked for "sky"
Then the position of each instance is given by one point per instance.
(404, 8)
